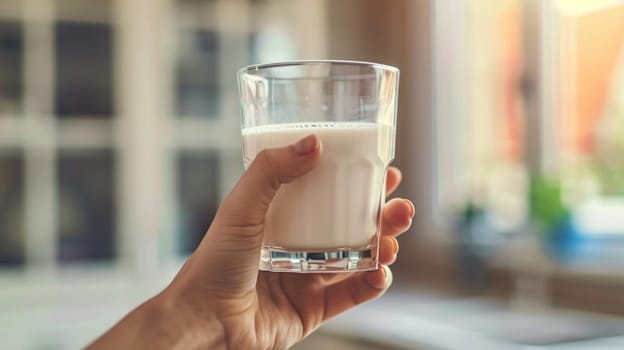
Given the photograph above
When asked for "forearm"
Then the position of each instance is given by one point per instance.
(158, 325)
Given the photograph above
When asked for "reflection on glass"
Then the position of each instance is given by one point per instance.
(83, 70)
(86, 206)
(11, 209)
(11, 57)
(197, 74)
(198, 196)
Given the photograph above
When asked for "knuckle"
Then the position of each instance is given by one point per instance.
(355, 293)
(267, 162)
(273, 163)
(265, 159)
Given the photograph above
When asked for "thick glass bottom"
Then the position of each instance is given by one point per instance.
(340, 260)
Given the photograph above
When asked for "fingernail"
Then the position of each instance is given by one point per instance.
(394, 259)
(412, 210)
(373, 278)
(396, 246)
(387, 275)
(306, 145)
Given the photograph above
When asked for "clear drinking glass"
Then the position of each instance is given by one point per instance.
(329, 219)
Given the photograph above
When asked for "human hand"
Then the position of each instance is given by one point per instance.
(219, 299)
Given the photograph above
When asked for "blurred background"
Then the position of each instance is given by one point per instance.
(119, 137)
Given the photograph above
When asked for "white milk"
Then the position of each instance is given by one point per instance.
(335, 205)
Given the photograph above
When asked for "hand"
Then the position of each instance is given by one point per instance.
(219, 299)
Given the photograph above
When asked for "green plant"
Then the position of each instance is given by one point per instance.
(546, 205)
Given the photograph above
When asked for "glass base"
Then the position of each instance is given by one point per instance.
(341, 260)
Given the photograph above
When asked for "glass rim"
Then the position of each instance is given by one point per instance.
(295, 63)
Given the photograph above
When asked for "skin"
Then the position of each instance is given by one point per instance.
(219, 299)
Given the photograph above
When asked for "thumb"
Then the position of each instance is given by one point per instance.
(230, 251)
(249, 201)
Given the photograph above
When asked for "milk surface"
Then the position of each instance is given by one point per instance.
(336, 205)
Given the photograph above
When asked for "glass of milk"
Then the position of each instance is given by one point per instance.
(329, 219)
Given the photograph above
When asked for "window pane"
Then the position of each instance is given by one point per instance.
(198, 196)
(11, 209)
(11, 57)
(197, 74)
(83, 70)
(590, 108)
(86, 206)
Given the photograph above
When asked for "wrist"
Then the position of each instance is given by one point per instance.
(176, 326)
(161, 324)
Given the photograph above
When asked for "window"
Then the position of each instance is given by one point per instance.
(479, 112)
(198, 77)
(11, 208)
(584, 123)
(199, 198)
(11, 58)
(588, 112)
(530, 120)
(83, 70)
(86, 206)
